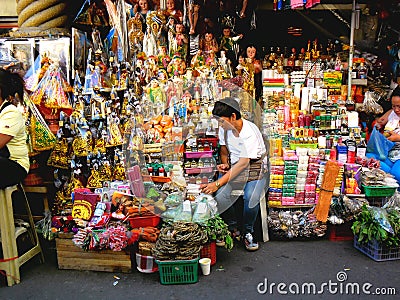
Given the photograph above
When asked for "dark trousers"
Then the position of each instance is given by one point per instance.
(11, 173)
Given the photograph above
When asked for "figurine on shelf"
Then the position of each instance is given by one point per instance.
(140, 11)
(211, 60)
(153, 37)
(229, 43)
(151, 67)
(163, 57)
(135, 34)
(155, 93)
(197, 60)
(114, 137)
(208, 44)
(176, 67)
(171, 11)
(178, 41)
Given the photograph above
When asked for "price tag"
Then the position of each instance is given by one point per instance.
(186, 206)
(61, 123)
(202, 208)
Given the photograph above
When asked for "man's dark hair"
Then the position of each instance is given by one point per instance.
(226, 107)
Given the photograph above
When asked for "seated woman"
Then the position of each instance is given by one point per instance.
(14, 160)
(391, 122)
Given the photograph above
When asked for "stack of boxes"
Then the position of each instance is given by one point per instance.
(276, 181)
(291, 161)
(311, 180)
(301, 175)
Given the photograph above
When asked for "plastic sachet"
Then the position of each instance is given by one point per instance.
(370, 104)
(394, 201)
(380, 215)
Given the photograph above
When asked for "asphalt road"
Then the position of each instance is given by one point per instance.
(319, 269)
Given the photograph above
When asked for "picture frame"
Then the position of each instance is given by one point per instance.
(58, 50)
(79, 52)
(23, 51)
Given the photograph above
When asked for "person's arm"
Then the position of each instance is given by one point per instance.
(4, 139)
(394, 137)
(236, 169)
(383, 119)
(243, 10)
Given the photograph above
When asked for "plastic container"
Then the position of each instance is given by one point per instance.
(379, 191)
(209, 250)
(199, 170)
(147, 221)
(178, 271)
(198, 154)
(376, 251)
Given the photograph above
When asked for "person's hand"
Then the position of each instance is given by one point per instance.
(394, 137)
(223, 168)
(209, 188)
(381, 122)
(136, 8)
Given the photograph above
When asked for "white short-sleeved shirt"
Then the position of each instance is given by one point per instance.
(12, 123)
(249, 143)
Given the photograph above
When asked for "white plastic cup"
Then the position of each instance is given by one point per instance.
(205, 264)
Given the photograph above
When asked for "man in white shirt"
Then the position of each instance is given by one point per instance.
(241, 145)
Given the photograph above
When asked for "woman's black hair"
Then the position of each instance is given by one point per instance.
(11, 85)
(396, 92)
(226, 107)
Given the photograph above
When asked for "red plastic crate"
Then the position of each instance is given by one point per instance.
(341, 232)
(147, 221)
(209, 250)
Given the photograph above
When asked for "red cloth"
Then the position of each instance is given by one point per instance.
(311, 3)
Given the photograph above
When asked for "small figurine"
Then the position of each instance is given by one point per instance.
(155, 93)
(208, 44)
(178, 41)
(171, 11)
(176, 67)
(229, 43)
(163, 57)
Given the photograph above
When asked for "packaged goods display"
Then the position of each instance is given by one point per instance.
(132, 138)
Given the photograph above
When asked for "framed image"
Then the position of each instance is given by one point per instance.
(79, 52)
(23, 51)
(58, 52)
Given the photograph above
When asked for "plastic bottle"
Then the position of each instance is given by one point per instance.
(362, 71)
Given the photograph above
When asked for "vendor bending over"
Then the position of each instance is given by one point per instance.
(391, 122)
(242, 155)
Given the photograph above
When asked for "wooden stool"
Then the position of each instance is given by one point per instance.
(42, 190)
(11, 262)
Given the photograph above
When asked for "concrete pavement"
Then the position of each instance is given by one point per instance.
(315, 269)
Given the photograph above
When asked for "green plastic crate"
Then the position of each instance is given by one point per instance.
(378, 191)
(178, 271)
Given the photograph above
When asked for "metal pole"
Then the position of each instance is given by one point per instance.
(351, 51)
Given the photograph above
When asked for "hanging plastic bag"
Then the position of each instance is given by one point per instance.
(379, 144)
(370, 105)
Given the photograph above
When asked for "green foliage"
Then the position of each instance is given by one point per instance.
(217, 229)
(367, 228)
